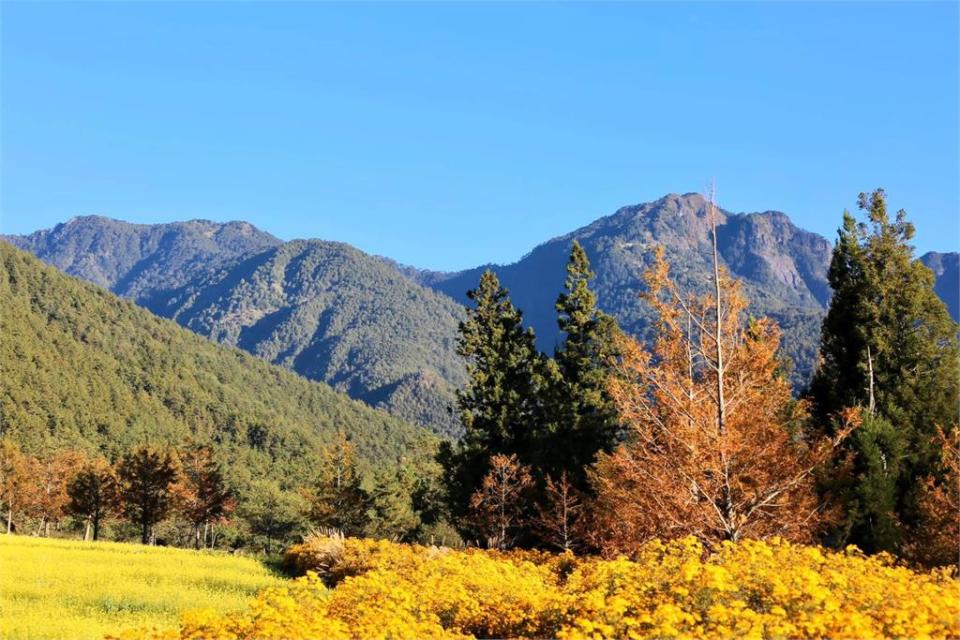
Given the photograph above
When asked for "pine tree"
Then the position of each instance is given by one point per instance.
(146, 479)
(93, 493)
(584, 420)
(888, 345)
(499, 407)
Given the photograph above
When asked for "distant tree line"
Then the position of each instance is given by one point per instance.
(611, 442)
(181, 497)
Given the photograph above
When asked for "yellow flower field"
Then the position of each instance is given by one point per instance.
(70, 589)
(753, 589)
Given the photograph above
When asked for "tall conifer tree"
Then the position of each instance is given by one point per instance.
(499, 406)
(585, 420)
(887, 345)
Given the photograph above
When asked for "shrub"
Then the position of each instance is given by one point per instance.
(761, 589)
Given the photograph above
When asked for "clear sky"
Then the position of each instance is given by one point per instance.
(449, 135)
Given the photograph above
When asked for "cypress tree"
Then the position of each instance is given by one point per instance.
(584, 419)
(888, 345)
(499, 405)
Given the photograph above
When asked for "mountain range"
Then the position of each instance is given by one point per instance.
(386, 333)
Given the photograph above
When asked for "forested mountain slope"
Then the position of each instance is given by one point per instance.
(323, 309)
(84, 369)
(331, 312)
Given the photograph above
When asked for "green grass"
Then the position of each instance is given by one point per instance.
(70, 589)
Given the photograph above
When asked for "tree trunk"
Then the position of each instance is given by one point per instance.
(86, 530)
(144, 533)
(96, 528)
(721, 402)
(10, 520)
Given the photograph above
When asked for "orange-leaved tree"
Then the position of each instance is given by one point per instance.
(716, 444)
(51, 476)
(560, 516)
(501, 504)
(936, 538)
(18, 490)
(201, 493)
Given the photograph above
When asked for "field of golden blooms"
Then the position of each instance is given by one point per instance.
(375, 589)
(71, 589)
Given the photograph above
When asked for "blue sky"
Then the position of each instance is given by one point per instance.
(448, 135)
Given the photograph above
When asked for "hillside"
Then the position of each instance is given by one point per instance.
(336, 314)
(782, 266)
(84, 369)
(323, 309)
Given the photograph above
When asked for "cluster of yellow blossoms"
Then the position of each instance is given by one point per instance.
(375, 589)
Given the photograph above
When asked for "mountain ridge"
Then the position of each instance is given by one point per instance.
(385, 332)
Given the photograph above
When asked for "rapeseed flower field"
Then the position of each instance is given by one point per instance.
(367, 590)
(53, 588)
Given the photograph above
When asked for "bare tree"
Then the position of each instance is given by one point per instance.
(717, 444)
(499, 506)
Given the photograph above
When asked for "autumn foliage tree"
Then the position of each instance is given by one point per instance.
(560, 514)
(50, 477)
(500, 506)
(16, 486)
(935, 540)
(716, 446)
(201, 493)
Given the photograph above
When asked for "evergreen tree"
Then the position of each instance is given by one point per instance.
(271, 512)
(887, 345)
(393, 515)
(146, 478)
(499, 406)
(338, 499)
(872, 488)
(584, 420)
(93, 494)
